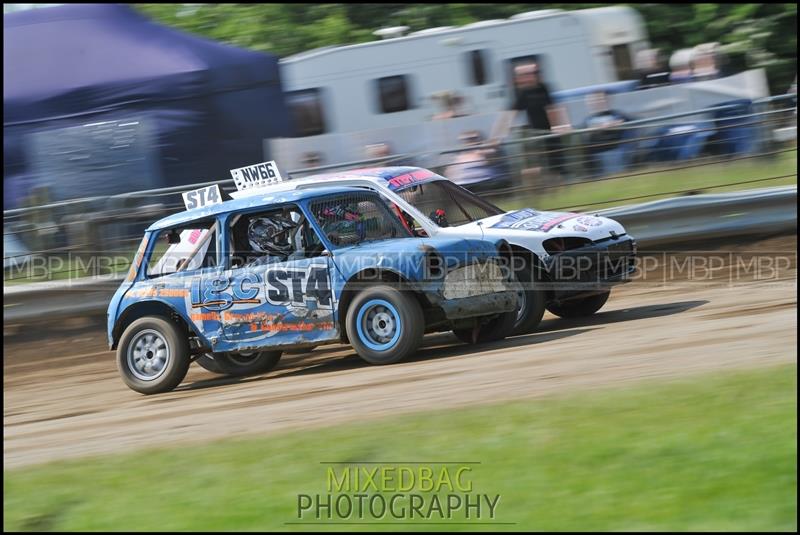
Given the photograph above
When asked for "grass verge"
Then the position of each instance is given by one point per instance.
(716, 452)
(659, 184)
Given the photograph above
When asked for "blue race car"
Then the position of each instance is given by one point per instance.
(232, 284)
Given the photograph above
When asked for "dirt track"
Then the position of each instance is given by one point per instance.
(63, 398)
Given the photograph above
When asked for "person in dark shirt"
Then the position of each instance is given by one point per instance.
(534, 101)
(544, 116)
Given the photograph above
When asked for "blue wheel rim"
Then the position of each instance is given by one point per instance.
(378, 325)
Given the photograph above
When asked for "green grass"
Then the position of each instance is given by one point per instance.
(716, 452)
(714, 178)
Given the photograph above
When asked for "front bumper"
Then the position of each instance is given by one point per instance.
(596, 266)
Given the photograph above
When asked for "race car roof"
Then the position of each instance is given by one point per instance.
(262, 199)
(392, 177)
(383, 173)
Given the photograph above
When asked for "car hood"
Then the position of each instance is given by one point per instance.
(545, 224)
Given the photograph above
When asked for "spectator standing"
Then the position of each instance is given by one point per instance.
(544, 116)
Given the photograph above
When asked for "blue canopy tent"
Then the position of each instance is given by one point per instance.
(99, 100)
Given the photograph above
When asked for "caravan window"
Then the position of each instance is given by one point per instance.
(305, 107)
(393, 94)
(476, 64)
(622, 62)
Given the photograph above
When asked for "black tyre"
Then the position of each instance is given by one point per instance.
(531, 300)
(576, 308)
(301, 351)
(384, 325)
(153, 355)
(240, 364)
(208, 362)
(491, 331)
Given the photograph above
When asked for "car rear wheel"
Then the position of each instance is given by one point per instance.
(491, 331)
(384, 325)
(153, 355)
(240, 364)
(577, 308)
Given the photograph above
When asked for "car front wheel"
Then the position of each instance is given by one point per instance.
(384, 325)
(531, 300)
(491, 331)
(576, 308)
(153, 355)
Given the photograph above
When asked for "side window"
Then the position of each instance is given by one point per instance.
(305, 107)
(279, 235)
(355, 218)
(476, 66)
(184, 249)
(393, 94)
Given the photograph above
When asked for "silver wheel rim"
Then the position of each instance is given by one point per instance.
(380, 324)
(243, 359)
(148, 355)
(523, 305)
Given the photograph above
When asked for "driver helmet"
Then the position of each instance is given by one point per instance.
(271, 235)
(439, 217)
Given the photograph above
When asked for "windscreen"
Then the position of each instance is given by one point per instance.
(446, 204)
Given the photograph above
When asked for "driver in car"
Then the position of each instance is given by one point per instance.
(343, 224)
(272, 238)
(439, 217)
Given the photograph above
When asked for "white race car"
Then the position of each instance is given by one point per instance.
(566, 261)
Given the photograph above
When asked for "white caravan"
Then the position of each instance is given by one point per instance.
(392, 82)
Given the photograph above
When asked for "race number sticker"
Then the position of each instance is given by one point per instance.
(202, 197)
(256, 176)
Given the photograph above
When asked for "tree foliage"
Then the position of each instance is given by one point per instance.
(763, 35)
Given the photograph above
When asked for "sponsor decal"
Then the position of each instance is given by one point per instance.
(407, 179)
(205, 316)
(530, 219)
(589, 221)
(303, 326)
(580, 228)
(291, 288)
(151, 291)
(195, 235)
